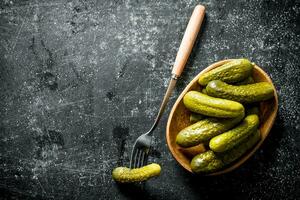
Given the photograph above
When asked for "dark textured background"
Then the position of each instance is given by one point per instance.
(80, 80)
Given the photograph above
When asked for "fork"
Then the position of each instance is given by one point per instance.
(141, 147)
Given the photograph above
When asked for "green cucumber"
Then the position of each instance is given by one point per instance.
(235, 153)
(214, 107)
(126, 175)
(248, 80)
(195, 117)
(231, 72)
(233, 137)
(204, 130)
(244, 93)
(206, 162)
(210, 161)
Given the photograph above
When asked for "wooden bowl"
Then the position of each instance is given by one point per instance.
(179, 119)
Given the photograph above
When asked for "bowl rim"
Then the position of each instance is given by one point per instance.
(187, 88)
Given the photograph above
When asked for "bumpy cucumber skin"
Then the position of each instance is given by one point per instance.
(210, 161)
(248, 80)
(214, 107)
(204, 130)
(126, 175)
(236, 152)
(231, 72)
(244, 93)
(195, 117)
(233, 137)
(206, 162)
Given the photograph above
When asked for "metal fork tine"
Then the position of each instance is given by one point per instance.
(142, 159)
(138, 159)
(133, 158)
(145, 161)
(140, 151)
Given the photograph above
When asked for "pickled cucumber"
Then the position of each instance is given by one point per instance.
(248, 80)
(231, 72)
(214, 107)
(244, 93)
(236, 152)
(195, 117)
(126, 175)
(206, 162)
(233, 137)
(210, 161)
(204, 130)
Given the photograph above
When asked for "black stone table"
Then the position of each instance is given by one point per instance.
(80, 80)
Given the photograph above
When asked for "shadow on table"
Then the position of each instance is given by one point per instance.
(133, 190)
(140, 191)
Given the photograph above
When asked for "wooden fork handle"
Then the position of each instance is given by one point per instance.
(188, 40)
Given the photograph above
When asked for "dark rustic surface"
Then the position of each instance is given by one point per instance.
(80, 80)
